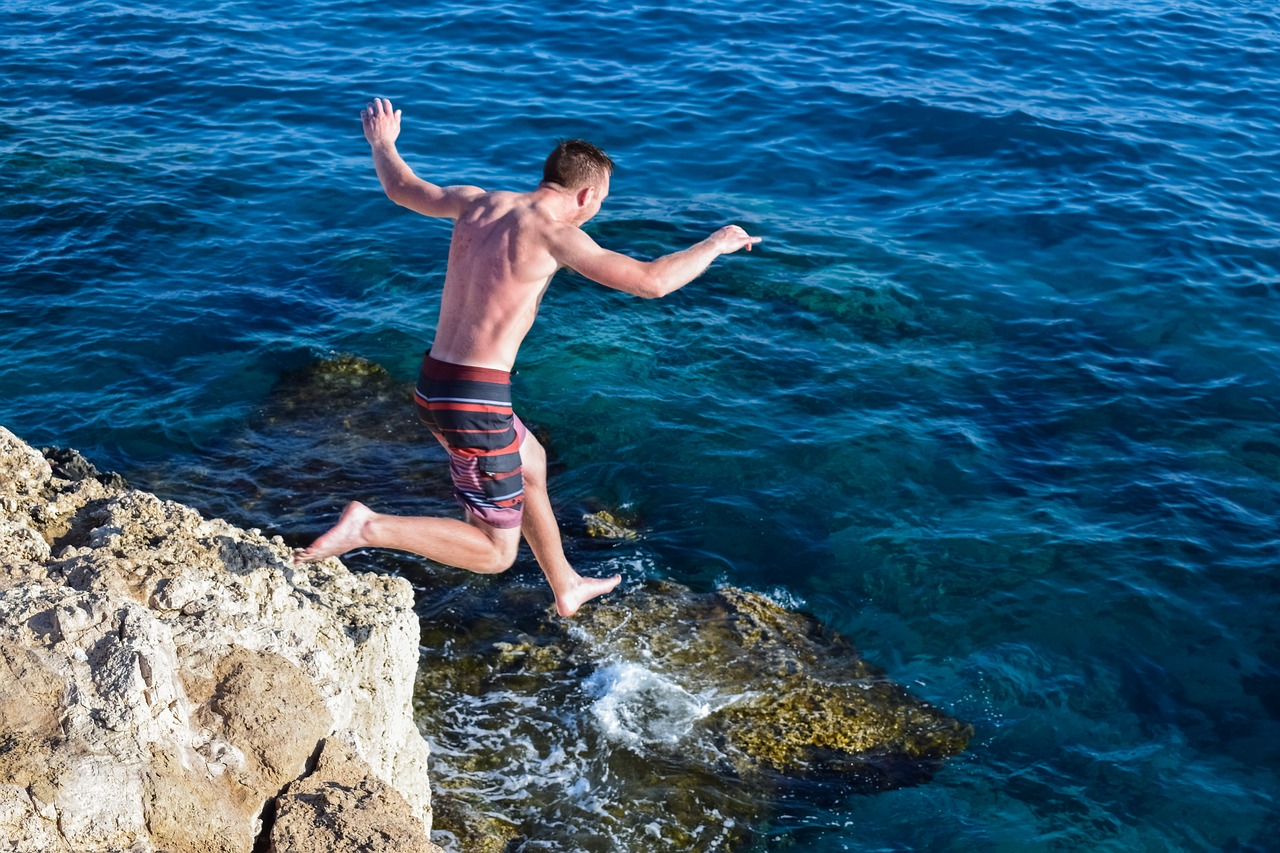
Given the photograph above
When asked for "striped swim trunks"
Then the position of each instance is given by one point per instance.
(469, 410)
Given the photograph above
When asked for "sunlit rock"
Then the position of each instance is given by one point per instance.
(166, 675)
(603, 525)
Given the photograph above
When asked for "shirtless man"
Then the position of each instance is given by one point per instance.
(505, 249)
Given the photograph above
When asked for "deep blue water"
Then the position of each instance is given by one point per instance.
(997, 396)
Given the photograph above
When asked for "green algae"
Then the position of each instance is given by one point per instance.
(604, 525)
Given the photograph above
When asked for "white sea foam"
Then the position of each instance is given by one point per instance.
(637, 706)
(781, 596)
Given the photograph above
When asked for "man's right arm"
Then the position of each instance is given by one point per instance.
(573, 248)
(382, 128)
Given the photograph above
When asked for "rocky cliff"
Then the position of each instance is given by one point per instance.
(170, 682)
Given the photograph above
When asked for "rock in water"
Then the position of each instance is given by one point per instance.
(166, 677)
(603, 525)
(795, 699)
(724, 701)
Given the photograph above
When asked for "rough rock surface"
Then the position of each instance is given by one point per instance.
(340, 806)
(164, 677)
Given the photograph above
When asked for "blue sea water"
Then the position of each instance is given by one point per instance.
(996, 397)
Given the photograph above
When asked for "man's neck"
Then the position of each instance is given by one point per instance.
(558, 200)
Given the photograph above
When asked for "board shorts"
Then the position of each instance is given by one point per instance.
(468, 409)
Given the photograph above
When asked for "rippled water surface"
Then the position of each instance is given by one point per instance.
(996, 397)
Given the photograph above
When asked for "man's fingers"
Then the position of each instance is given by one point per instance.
(735, 237)
(377, 108)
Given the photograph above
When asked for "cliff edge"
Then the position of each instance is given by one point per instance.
(170, 682)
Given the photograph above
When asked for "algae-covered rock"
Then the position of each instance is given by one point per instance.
(794, 697)
(603, 525)
(468, 828)
(722, 701)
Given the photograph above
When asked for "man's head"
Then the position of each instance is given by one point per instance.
(576, 164)
(582, 170)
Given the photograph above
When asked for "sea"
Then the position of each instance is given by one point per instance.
(997, 397)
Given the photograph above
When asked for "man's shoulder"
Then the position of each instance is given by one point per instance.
(504, 201)
(536, 218)
(556, 233)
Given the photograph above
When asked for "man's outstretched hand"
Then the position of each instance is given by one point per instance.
(731, 238)
(381, 123)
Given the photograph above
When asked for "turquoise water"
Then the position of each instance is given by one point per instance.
(997, 396)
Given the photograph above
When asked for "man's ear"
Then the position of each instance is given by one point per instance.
(586, 195)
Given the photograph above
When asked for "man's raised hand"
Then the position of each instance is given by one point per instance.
(381, 123)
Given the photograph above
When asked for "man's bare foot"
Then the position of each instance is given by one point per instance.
(346, 535)
(568, 601)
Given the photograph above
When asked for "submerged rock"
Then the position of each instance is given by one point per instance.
(168, 675)
(791, 697)
(725, 700)
(471, 828)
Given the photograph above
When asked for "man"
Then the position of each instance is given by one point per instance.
(506, 247)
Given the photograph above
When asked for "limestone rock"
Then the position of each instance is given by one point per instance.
(343, 806)
(163, 676)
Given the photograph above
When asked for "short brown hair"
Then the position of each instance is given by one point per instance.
(575, 164)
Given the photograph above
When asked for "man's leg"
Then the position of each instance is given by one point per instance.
(476, 547)
(542, 532)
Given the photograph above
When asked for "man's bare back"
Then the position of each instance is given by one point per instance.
(506, 248)
(499, 268)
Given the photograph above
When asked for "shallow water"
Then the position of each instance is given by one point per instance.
(996, 398)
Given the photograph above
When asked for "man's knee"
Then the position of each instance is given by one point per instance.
(506, 545)
(498, 563)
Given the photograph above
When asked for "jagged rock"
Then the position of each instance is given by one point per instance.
(341, 805)
(70, 464)
(163, 676)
